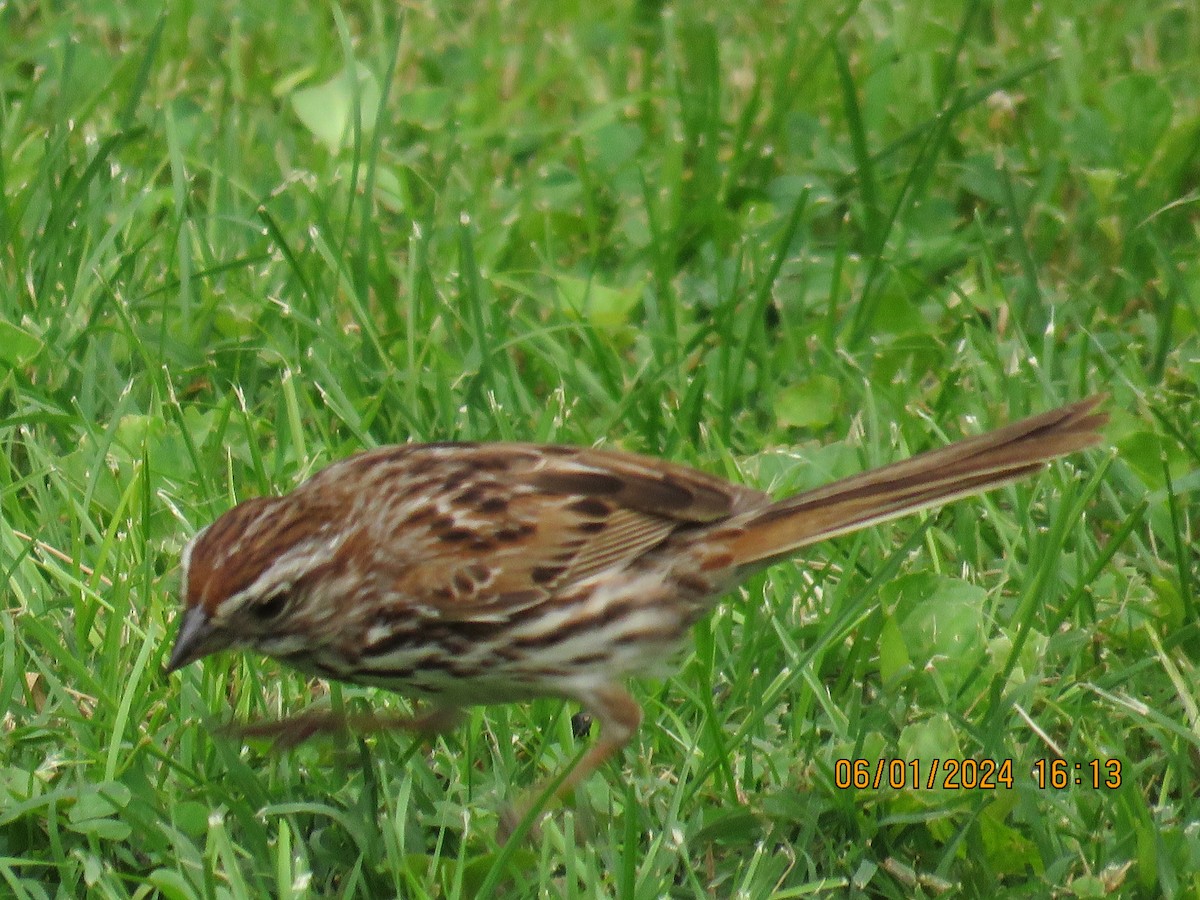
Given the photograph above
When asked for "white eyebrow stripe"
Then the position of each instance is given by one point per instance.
(288, 569)
(185, 560)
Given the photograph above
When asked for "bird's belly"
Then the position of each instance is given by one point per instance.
(607, 629)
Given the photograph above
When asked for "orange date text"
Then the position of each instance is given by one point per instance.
(909, 774)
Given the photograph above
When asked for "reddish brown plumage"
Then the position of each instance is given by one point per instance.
(477, 573)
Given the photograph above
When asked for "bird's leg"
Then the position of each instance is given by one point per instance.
(619, 716)
(288, 732)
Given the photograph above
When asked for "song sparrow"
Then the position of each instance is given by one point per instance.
(464, 574)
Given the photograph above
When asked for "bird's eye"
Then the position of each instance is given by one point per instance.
(270, 606)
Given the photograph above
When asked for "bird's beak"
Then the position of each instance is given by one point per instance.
(191, 643)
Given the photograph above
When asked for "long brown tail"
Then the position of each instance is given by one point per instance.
(969, 466)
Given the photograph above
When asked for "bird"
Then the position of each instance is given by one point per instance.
(460, 574)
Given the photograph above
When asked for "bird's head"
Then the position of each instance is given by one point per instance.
(241, 579)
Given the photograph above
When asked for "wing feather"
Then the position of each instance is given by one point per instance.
(535, 520)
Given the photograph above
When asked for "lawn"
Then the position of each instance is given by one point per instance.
(781, 242)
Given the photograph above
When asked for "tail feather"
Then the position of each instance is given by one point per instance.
(966, 467)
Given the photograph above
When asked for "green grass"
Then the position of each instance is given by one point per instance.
(782, 242)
